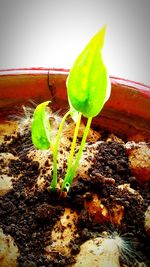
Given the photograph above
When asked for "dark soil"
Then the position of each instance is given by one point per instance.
(29, 218)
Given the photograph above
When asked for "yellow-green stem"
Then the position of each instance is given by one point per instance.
(73, 145)
(70, 177)
(55, 152)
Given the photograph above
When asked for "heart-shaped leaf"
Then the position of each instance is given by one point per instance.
(88, 82)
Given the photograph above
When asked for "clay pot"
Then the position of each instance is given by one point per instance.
(126, 112)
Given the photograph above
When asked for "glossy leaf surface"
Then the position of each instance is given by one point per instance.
(88, 82)
(40, 129)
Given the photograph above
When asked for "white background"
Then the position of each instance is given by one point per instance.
(51, 33)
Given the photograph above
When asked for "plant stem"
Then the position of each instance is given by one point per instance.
(70, 177)
(55, 152)
(73, 145)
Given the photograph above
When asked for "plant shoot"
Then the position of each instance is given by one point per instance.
(88, 89)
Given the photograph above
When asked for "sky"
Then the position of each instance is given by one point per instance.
(51, 33)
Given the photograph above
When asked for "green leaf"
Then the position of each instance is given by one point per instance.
(40, 128)
(73, 112)
(88, 82)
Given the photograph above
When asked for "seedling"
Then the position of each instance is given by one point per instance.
(88, 89)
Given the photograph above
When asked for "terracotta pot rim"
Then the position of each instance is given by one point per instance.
(37, 70)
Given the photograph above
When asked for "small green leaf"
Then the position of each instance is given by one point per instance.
(88, 82)
(40, 128)
(74, 114)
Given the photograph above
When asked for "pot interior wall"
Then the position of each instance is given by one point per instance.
(126, 113)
